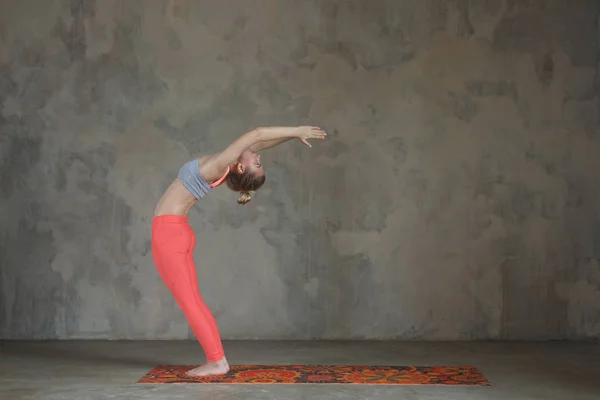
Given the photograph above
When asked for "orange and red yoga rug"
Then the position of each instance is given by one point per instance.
(319, 374)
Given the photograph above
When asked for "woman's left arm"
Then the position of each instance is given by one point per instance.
(303, 135)
(256, 147)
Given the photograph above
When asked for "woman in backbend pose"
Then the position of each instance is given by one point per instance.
(173, 239)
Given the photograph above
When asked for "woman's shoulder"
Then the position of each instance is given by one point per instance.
(203, 159)
(207, 158)
(209, 169)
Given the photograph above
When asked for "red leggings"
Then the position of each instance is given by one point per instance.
(173, 242)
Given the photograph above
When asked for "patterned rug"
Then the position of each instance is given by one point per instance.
(318, 374)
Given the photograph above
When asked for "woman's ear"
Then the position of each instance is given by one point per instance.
(239, 168)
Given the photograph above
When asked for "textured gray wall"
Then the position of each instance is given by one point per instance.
(457, 196)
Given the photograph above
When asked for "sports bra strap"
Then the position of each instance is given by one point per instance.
(218, 182)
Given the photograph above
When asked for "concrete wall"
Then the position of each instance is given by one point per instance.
(457, 196)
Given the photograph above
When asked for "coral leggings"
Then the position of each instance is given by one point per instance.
(173, 242)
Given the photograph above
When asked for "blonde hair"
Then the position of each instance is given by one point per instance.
(247, 184)
(245, 197)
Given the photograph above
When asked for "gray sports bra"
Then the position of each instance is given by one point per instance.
(190, 177)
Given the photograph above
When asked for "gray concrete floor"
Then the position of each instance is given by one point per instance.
(109, 369)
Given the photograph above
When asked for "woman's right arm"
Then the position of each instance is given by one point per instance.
(217, 164)
(266, 134)
(233, 152)
(272, 136)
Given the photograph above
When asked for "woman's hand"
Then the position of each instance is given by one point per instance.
(306, 133)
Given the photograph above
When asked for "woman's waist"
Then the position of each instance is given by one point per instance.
(170, 219)
(170, 225)
(177, 201)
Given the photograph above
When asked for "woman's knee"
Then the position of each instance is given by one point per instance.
(186, 293)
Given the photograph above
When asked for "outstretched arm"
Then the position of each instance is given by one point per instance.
(303, 134)
(256, 147)
(254, 138)
(269, 136)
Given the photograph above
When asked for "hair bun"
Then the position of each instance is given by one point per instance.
(245, 197)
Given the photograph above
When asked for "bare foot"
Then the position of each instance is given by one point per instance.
(220, 367)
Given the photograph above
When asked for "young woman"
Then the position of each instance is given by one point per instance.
(173, 239)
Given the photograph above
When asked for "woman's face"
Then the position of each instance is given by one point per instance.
(250, 161)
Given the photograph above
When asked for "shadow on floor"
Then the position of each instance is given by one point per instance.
(78, 352)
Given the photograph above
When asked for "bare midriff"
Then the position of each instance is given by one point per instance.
(176, 200)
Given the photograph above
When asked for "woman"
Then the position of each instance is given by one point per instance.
(173, 239)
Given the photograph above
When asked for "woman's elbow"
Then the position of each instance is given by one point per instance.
(255, 134)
